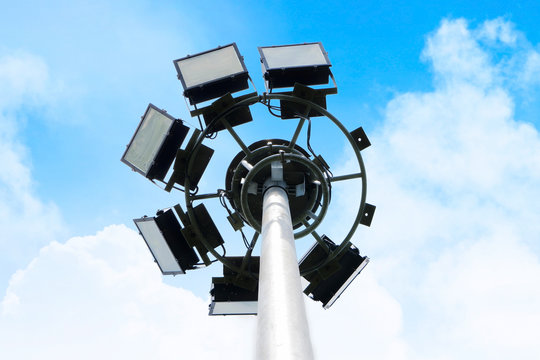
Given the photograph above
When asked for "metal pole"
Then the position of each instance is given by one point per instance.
(282, 329)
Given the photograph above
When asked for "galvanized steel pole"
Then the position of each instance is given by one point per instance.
(282, 329)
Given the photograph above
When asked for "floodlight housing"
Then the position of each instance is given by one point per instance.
(330, 281)
(229, 299)
(236, 116)
(211, 74)
(208, 232)
(207, 226)
(164, 238)
(153, 147)
(200, 162)
(233, 294)
(285, 65)
(202, 158)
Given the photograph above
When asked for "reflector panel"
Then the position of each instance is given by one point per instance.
(148, 140)
(233, 308)
(158, 246)
(294, 56)
(210, 66)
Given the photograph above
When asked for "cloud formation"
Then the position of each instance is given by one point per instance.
(100, 297)
(455, 177)
(27, 223)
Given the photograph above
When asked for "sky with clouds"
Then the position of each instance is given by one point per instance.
(447, 94)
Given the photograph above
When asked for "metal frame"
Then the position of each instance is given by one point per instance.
(256, 224)
(294, 196)
(191, 198)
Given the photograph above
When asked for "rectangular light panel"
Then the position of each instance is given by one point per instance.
(233, 308)
(301, 55)
(158, 246)
(346, 283)
(210, 66)
(148, 139)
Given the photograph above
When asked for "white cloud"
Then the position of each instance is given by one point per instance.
(27, 223)
(531, 72)
(102, 296)
(485, 296)
(456, 57)
(365, 322)
(455, 178)
(24, 78)
(498, 30)
(453, 245)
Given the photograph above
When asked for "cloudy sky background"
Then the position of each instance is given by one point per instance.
(448, 96)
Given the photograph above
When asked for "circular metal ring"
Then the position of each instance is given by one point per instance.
(256, 224)
(189, 198)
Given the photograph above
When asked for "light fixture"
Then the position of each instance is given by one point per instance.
(233, 294)
(208, 232)
(212, 74)
(266, 182)
(200, 162)
(235, 116)
(164, 238)
(286, 65)
(229, 299)
(207, 226)
(328, 282)
(153, 147)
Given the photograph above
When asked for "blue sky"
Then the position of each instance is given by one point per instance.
(447, 93)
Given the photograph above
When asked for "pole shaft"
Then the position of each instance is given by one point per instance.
(282, 328)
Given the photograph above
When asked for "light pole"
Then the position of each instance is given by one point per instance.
(274, 186)
(282, 331)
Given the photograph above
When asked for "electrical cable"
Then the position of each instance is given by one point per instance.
(174, 187)
(222, 197)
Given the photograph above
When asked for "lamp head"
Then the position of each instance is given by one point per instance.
(153, 147)
(328, 282)
(212, 74)
(163, 236)
(285, 65)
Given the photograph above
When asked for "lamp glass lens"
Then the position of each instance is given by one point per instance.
(346, 283)
(210, 66)
(148, 139)
(234, 308)
(294, 55)
(157, 244)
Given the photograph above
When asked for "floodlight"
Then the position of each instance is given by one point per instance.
(202, 158)
(164, 238)
(211, 74)
(286, 65)
(229, 299)
(330, 281)
(233, 294)
(207, 226)
(208, 231)
(153, 147)
(236, 116)
(291, 110)
(200, 162)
